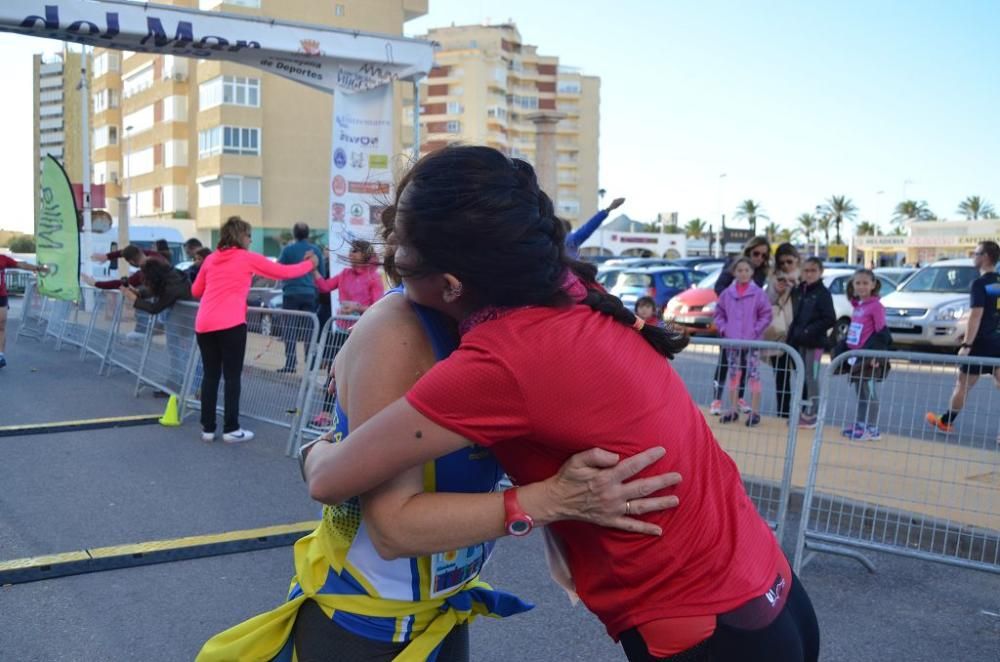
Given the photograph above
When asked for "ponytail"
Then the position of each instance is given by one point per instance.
(667, 342)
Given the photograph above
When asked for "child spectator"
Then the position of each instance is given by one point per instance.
(743, 312)
(783, 295)
(867, 331)
(645, 309)
(814, 317)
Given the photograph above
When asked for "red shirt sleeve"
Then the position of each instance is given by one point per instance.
(7, 262)
(475, 394)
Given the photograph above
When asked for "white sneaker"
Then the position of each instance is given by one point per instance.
(715, 409)
(744, 407)
(237, 436)
(208, 437)
(134, 336)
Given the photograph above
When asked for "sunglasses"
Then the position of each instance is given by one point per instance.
(790, 260)
(758, 253)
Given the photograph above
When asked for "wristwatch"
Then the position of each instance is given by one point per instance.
(304, 451)
(516, 521)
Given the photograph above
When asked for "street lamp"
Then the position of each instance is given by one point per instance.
(125, 201)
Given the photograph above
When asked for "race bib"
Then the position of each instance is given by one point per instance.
(450, 570)
(854, 333)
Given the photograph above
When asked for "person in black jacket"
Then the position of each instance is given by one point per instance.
(813, 318)
(164, 286)
(758, 250)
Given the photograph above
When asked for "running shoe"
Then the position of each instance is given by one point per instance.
(935, 421)
(852, 430)
(865, 433)
(207, 437)
(134, 336)
(237, 436)
(753, 420)
(715, 408)
(730, 417)
(807, 422)
(873, 433)
(744, 407)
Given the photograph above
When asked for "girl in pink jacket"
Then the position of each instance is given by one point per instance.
(743, 313)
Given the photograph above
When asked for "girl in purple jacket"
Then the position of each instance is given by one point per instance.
(743, 313)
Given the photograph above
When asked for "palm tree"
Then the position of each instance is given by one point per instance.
(785, 236)
(866, 228)
(751, 211)
(772, 230)
(695, 228)
(974, 208)
(911, 210)
(807, 225)
(840, 208)
(823, 225)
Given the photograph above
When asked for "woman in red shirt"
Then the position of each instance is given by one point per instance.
(478, 240)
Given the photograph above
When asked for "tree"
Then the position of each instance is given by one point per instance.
(772, 230)
(751, 211)
(823, 225)
(911, 210)
(807, 225)
(839, 208)
(974, 208)
(866, 229)
(785, 236)
(22, 244)
(695, 228)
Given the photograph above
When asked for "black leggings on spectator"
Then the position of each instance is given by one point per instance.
(222, 357)
(783, 368)
(792, 637)
(721, 371)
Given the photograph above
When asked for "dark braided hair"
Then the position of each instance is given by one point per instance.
(475, 213)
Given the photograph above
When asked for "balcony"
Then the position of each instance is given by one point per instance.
(50, 124)
(49, 82)
(50, 68)
(52, 138)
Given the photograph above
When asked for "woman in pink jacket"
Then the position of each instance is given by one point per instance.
(222, 284)
(743, 313)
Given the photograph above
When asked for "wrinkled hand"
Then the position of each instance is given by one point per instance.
(42, 269)
(591, 487)
(98, 257)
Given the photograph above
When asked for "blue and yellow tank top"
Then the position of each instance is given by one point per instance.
(356, 567)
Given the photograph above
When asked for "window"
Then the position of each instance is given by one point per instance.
(454, 127)
(338, 10)
(138, 81)
(105, 99)
(457, 91)
(232, 90)
(104, 136)
(228, 140)
(568, 87)
(106, 62)
(454, 108)
(240, 191)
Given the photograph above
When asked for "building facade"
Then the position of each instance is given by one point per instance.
(191, 142)
(484, 86)
(928, 241)
(57, 114)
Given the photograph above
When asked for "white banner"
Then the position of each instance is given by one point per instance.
(323, 58)
(360, 173)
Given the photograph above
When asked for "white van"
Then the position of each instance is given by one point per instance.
(144, 236)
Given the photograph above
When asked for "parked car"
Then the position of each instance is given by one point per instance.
(661, 283)
(607, 276)
(637, 262)
(929, 307)
(694, 309)
(264, 293)
(896, 274)
(704, 263)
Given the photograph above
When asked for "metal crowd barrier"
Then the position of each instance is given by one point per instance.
(316, 409)
(915, 491)
(34, 319)
(166, 355)
(77, 322)
(279, 357)
(106, 309)
(765, 452)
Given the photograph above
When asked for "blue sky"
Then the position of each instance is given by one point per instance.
(794, 101)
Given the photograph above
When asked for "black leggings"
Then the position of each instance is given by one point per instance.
(222, 356)
(792, 637)
(319, 639)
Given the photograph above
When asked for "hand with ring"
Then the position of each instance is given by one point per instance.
(591, 486)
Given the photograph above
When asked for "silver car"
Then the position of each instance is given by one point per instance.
(928, 307)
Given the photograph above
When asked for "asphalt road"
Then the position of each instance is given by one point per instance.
(66, 491)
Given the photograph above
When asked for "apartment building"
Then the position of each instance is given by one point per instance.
(485, 85)
(57, 113)
(192, 142)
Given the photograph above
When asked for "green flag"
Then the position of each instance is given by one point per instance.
(57, 237)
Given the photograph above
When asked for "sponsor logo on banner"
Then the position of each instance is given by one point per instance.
(339, 158)
(310, 47)
(378, 161)
(357, 214)
(338, 211)
(357, 159)
(339, 186)
(369, 188)
(367, 141)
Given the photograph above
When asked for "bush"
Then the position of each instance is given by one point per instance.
(23, 244)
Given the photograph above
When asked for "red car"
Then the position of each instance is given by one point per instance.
(694, 310)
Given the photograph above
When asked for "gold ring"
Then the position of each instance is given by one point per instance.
(628, 508)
